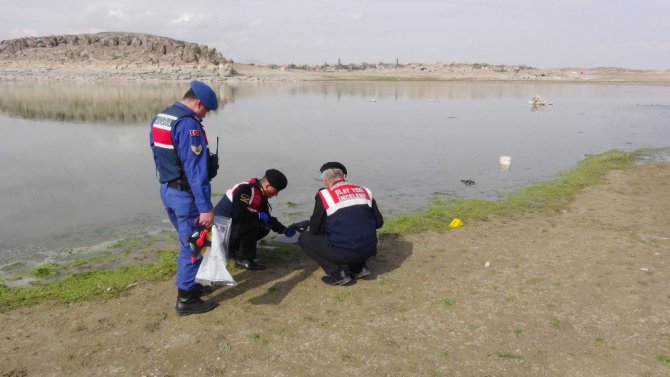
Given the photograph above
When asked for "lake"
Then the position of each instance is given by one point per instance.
(77, 170)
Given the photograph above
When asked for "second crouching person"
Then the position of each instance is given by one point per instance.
(247, 205)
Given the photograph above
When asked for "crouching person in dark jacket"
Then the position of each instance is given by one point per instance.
(247, 205)
(342, 233)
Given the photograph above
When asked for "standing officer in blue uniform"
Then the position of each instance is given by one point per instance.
(342, 231)
(185, 167)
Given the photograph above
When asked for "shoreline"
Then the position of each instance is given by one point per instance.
(131, 251)
(240, 73)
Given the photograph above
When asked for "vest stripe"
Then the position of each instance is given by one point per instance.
(162, 138)
(164, 146)
(162, 131)
(162, 127)
(343, 196)
(165, 119)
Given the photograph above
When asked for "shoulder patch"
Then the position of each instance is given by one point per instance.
(244, 198)
(195, 133)
(197, 150)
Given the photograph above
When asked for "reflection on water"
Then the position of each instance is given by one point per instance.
(98, 102)
(372, 90)
(75, 172)
(133, 102)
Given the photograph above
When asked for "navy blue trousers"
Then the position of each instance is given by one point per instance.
(329, 258)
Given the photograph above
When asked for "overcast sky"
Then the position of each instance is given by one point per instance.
(539, 33)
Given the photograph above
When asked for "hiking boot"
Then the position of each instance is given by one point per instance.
(340, 277)
(190, 303)
(362, 273)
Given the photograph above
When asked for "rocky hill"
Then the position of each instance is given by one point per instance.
(109, 54)
(133, 56)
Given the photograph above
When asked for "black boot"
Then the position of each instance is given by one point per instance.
(188, 302)
(202, 290)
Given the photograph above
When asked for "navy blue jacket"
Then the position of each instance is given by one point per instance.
(348, 216)
(180, 150)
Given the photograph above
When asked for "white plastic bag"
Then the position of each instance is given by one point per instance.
(213, 266)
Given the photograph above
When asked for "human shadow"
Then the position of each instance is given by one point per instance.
(280, 289)
(391, 254)
(288, 262)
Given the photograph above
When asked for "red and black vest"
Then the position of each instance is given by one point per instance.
(225, 206)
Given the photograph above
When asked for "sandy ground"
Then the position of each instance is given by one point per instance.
(463, 72)
(584, 292)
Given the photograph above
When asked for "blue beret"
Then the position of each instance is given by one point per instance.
(205, 94)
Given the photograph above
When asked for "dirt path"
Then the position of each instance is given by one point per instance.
(582, 293)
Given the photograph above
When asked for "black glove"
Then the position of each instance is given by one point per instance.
(299, 226)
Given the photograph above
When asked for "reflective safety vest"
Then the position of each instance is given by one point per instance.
(167, 162)
(225, 207)
(350, 219)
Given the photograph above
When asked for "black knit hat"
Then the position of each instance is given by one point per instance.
(333, 165)
(276, 178)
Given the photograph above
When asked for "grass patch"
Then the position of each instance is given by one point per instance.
(224, 347)
(665, 360)
(544, 197)
(130, 244)
(92, 261)
(89, 285)
(130, 250)
(508, 356)
(448, 303)
(256, 337)
(343, 296)
(45, 271)
(53, 271)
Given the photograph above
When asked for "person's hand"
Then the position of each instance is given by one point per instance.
(289, 232)
(264, 216)
(300, 226)
(206, 219)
